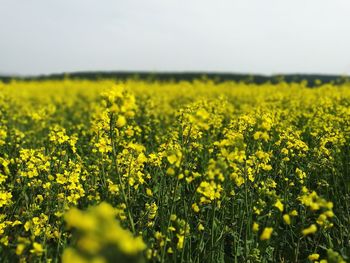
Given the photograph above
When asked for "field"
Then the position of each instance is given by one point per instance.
(134, 171)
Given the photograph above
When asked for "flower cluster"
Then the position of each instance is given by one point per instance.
(135, 171)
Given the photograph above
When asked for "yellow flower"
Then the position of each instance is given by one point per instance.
(329, 213)
(195, 207)
(99, 230)
(200, 227)
(37, 249)
(321, 220)
(286, 219)
(5, 198)
(310, 230)
(180, 242)
(256, 135)
(27, 225)
(293, 213)
(40, 198)
(175, 158)
(121, 121)
(16, 223)
(170, 171)
(313, 257)
(279, 205)
(72, 256)
(172, 158)
(160, 238)
(152, 210)
(149, 192)
(104, 211)
(78, 219)
(266, 234)
(255, 227)
(20, 248)
(171, 228)
(90, 244)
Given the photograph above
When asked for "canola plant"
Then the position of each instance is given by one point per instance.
(135, 171)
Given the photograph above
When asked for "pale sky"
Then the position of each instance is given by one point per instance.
(242, 36)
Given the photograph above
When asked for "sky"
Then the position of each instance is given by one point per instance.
(238, 36)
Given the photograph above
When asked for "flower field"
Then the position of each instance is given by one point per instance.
(174, 172)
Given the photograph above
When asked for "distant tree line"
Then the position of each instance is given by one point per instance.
(312, 80)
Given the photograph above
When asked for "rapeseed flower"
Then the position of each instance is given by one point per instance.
(310, 230)
(266, 234)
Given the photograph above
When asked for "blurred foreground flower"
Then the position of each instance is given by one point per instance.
(100, 238)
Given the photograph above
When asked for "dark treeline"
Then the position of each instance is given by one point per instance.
(312, 80)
